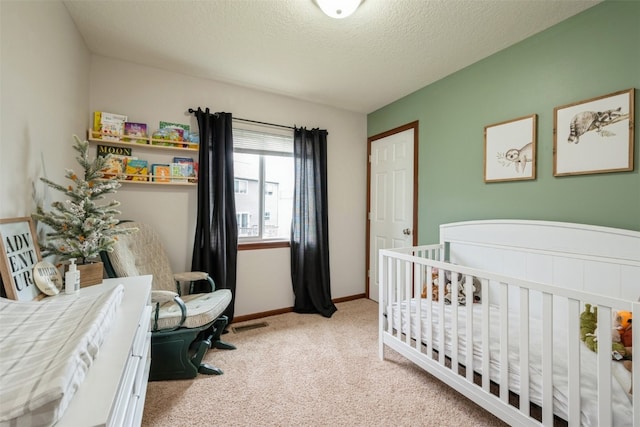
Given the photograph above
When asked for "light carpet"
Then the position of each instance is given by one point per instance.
(307, 370)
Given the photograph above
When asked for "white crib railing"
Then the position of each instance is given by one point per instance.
(403, 274)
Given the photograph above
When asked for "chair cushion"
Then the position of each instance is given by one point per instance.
(201, 309)
(141, 253)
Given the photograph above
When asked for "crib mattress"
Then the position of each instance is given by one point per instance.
(621, 399)
(46, 348)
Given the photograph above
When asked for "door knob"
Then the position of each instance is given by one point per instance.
(406, 231)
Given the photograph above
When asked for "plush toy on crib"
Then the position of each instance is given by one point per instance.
(463, 289)
(621, 328)
(434, 285)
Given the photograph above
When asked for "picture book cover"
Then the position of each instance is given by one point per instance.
(137, 170)
(115, 166)
(161, 172)
(183, 160)
(117, 161)
(185, 167)
(104, 150)
(174, 125)
(97, 123)
(175, 131)
(180, 172)
(112, 125)
(195, 172)
(135, 129)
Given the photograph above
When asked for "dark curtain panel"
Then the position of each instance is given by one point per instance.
(215, 247)
(309, 225)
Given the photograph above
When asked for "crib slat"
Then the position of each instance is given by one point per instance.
(382, 266)
(390, 288)
(454, 322)
(417, 291)
(635, 385)
(469, 334)
(504, 342)
(485, 336)
(441, 318)
(429, 348)
(398, 296)
(573, 355)
(604, 365)
(407, 297)
(524, 351)
(547, 359)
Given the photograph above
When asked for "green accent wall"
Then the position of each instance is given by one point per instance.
(594, 53)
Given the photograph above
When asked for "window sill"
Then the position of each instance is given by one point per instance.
(269, 244)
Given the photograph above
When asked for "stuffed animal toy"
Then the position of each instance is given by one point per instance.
(623, 327)
(589, 333)
(474, 287)
(463, 288)
(622, 320)
(434, 285)
(588, 324)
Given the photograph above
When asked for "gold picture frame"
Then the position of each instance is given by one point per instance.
(19, 253)
(595, 135)
(510, 150)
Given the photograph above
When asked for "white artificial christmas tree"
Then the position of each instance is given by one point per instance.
(81, 227)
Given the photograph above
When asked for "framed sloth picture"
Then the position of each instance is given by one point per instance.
(594, 136)
(510, 150)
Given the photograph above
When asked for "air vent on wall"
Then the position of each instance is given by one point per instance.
(249, 327)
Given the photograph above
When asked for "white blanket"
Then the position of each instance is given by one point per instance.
(621, 400)
(46, 348)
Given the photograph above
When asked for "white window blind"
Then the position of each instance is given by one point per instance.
(254, 142)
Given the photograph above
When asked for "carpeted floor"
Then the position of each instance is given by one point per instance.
(306, 370)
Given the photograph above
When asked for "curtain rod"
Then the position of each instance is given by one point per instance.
(191, 110)
(263, 123)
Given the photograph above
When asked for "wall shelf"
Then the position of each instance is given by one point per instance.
(144, 142)
(148, 143)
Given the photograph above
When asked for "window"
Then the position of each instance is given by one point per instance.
(240, 186)
(244, 223)
(264, 179)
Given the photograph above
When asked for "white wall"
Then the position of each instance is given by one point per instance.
(44, 91)
(150, 95)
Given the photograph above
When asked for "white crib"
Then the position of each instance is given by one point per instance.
(529, 365)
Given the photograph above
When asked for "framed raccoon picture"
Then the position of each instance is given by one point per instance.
(594, 136)
(510, 150)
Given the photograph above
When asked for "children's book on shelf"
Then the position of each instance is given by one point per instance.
(184, 127)
(175, 131)
(108, 126)
(182, 169)
(161, 172)
(115, 166)
(135, 129)
(117, 161)
(195, 172)
(137, 170)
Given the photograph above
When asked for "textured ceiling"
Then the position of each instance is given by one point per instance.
(386, 50)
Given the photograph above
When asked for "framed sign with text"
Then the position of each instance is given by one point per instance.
(19, 253)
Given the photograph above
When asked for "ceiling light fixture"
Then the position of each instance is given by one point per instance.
(338, 8)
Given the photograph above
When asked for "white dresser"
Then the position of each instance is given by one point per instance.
(114, 389)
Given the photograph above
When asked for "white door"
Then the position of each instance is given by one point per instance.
(391, 217)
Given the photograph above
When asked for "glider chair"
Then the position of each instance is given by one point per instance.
(184, 325)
